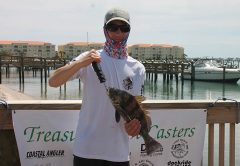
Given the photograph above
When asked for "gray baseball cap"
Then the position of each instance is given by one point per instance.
(117, 14)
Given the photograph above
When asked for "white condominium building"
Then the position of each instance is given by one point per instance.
(156, 52)
(28, 48)
(70, 50)
(73, 49)
(138, 51)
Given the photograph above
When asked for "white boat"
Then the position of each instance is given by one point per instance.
(210, 70)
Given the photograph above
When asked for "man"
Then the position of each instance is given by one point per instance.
(102, 140)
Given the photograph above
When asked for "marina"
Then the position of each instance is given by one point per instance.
(169, 68)
(163, 92)
(194, 107)
(162, 89)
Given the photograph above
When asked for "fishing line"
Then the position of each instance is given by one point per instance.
(98, 70)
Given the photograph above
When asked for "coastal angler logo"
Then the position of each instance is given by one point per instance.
(179, 148)
(156, 153)
(44, 154)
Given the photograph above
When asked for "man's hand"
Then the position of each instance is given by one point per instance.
(91, 56)
(133, 127)
(94, 55)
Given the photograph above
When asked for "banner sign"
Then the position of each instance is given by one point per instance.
(45, 137)
(180, 132)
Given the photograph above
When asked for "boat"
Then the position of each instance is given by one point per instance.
(210, 70)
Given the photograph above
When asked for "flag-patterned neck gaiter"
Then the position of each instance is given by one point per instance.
(115, 49)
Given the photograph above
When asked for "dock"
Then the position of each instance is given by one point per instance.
(222, 114)
(169, 68)
(43, 65)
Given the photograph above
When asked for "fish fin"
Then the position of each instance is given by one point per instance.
(149, 122)
(152, 145)
(140, 98)
(117, 116)
(122, 112)
(148, 119)
(145, 112)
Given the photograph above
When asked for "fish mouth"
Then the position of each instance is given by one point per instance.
(109, 91)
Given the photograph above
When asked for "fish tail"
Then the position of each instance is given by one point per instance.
(152, 145)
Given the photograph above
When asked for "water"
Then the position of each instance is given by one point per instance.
(161, 90)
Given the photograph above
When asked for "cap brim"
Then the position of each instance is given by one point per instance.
(118, 18)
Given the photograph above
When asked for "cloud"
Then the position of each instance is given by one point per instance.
(194, 25)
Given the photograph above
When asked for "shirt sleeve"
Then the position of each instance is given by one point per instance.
(79, 74)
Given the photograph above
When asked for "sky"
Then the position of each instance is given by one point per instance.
(204, 28)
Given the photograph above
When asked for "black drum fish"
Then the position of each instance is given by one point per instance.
(129, 108)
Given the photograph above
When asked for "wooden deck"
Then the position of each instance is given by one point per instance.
(220, 113)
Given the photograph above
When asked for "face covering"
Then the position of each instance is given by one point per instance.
(115, 49)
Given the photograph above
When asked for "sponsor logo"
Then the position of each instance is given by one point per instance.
(144, 163)
(44, 154)
(127, 83)
(179, 163)
(179, 148)
(156, 153)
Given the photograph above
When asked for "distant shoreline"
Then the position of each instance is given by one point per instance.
(7, 93)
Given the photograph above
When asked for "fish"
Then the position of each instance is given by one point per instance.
(129, 108)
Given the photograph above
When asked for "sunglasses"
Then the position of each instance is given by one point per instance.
(114, 28)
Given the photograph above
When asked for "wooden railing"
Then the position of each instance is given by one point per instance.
(221, 113)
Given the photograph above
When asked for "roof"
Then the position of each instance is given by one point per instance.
(23, 42)
(83, 43)
(153, 45)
